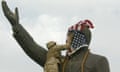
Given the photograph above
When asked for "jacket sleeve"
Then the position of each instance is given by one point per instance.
(102, 65)
(34, 51)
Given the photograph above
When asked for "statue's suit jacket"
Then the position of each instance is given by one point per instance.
(94, 63)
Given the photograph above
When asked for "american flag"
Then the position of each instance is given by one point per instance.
(81, 24)
(79, 38)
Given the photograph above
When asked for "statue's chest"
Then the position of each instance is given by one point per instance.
(73, 65)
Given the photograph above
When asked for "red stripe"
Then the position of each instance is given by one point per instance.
(90, 23)
(76, 27)
(72, 28)
(82, 27)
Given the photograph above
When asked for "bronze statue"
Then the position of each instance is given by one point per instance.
(80, 59)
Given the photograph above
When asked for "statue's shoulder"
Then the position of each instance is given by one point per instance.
(94, 59)
(95, 56)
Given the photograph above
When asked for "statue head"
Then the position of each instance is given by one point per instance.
(81, 34)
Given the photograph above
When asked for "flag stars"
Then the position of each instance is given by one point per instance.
(78, 40)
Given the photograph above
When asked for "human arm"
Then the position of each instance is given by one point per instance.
(63, 47)
(37, 53)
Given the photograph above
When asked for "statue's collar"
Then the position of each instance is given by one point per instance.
(81, 48)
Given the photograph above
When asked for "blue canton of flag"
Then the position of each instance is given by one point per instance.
(78, 40)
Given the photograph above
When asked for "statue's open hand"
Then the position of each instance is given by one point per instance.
(12, 17)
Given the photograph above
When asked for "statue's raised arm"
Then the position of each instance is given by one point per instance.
(36, 52)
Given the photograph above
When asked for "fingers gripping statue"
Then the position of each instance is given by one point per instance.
(78, 57)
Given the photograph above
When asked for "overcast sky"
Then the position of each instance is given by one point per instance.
(47, 20)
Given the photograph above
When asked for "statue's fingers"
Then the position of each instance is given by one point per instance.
(17, 14)
(5, 8)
